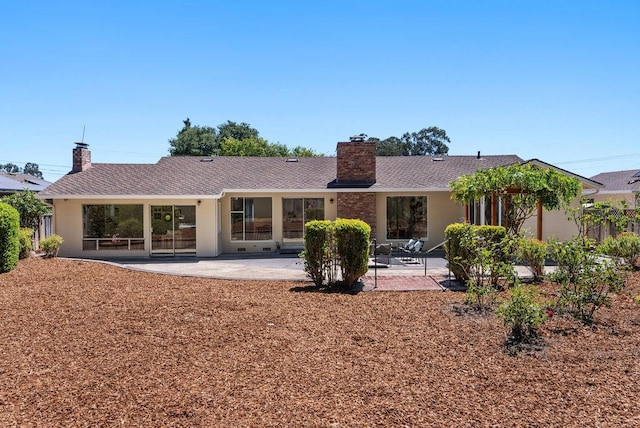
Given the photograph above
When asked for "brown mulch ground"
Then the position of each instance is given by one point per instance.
(87, 344)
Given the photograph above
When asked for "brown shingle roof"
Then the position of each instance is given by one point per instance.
(15, 182)
(195, 176)
(619, 181)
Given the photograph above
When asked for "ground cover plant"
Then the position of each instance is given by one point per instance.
(90, 344)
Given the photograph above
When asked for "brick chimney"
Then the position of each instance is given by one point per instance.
(81, 158)
(356, 162)
(356, 173)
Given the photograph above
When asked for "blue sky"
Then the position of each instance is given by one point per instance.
(553, 80)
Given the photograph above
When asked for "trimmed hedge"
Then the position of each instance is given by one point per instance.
(352, 244)
(460, 256)
(456, 254)
(9, 237)
(327, 244)
(317, 249)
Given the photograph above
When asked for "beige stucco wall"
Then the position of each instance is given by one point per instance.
(555, 224)
(628, 197)
(441, 211)
(68, 224)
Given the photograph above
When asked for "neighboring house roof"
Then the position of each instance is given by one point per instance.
(10, 183)
(194, 176)
(619, 181)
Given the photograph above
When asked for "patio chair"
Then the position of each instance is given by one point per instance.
(409, 252)
(382, 250)
(402, 248)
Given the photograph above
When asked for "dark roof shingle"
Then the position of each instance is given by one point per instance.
(10, 182)
(195, 176)
(619, 181)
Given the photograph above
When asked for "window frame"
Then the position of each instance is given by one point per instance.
(397, 236)
(246, 213)
(114, 241)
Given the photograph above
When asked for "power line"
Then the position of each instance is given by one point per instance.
(598, 159)
(39, 164)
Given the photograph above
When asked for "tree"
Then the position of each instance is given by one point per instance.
(32, 169)
(29, 168)
(229, 139)
(248, 147)
(427, 141)
(194, 141)
(391, 146)
(239, 131)
(10, 168)
(30, 208)
(521, 187)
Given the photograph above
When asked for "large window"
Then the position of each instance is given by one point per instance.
(251, 219)
(112, 227)
(406, 217)
(296, 212)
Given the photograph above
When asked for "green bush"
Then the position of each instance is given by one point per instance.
(9, 237)
(26, 234)
(494, 238)
(317, 250)
(585, 280)
(478, 254)
(522, 312)
(352, 246)
(625, 246)
(456, 254)
(533, 253)
(51, 245)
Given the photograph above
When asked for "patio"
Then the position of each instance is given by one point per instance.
(398, 273)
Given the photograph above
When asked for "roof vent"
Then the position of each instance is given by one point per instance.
(206, 160)
(437, 159)
(292, 160)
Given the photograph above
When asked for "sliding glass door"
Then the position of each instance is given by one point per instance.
(295, 213)
(173, 229)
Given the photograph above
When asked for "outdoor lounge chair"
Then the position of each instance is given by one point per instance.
(410, 250)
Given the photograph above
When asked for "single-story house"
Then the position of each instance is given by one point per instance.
(619, 186)
(11, 182)
(206, 206)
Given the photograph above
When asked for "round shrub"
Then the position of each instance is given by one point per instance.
(51, 245)
(9, 237)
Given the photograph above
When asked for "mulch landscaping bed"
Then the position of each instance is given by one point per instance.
(89, 344)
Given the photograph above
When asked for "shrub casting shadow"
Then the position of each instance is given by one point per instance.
(338, 288)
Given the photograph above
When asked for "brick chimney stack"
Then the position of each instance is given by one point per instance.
(356, 161)
(81, 158)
